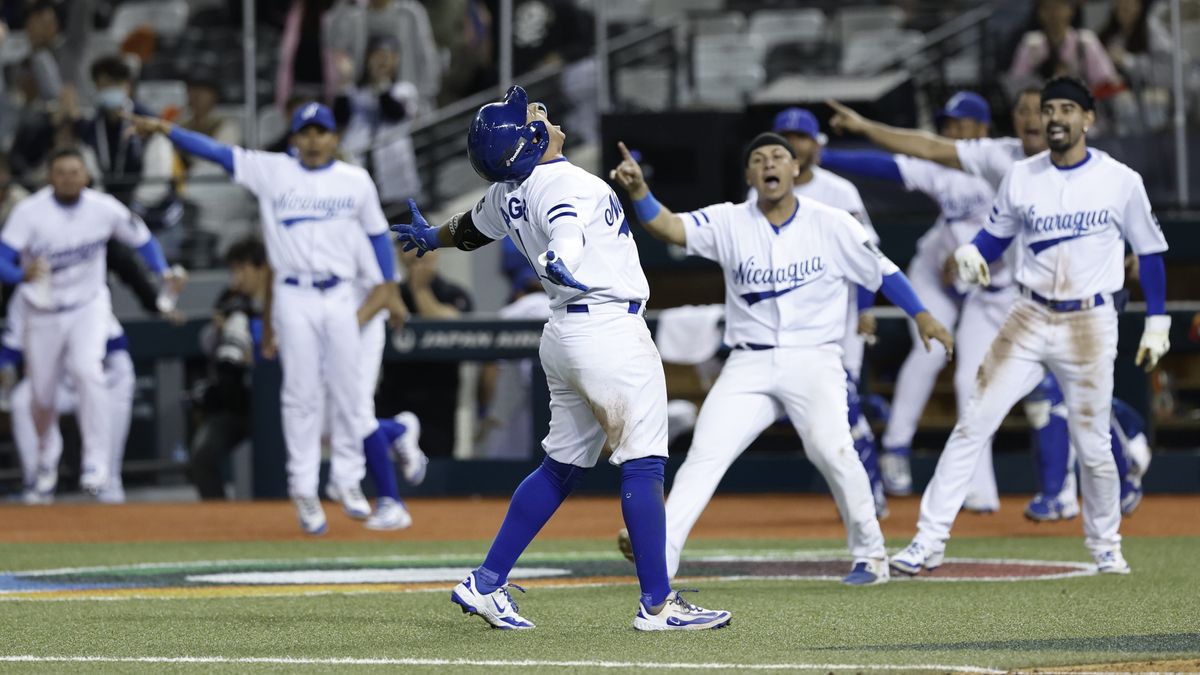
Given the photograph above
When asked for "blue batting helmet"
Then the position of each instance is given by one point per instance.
(502, 145)
(966, 105)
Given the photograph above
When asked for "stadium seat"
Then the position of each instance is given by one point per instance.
(166, 17)
(853, 21)
(786, 26)
(866, 52)
(14, 48)
(727, 67)
(158, 95)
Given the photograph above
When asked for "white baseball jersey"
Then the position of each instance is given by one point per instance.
(965, 202)
(311, 216)
(786, 286)
(561, 200)
(989, 158)
(73, 240)
(1071, 224)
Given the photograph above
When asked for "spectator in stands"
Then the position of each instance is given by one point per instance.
(1058, 47)
(10, 192)
(320, 51)
(133, 169)
(463, 28)
(232, 342)
(380, 110)
(283, 142)
(430, 389)
(203, 95)
(56, 58)
(407, 23)
(1138, 44)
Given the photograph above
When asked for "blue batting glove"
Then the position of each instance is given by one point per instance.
(558, 273)
(417, 235)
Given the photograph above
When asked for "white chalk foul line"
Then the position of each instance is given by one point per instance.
(480, 663)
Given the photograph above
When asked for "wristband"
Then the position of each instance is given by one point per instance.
(647, 208)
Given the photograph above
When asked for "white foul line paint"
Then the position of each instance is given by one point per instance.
(480, 663)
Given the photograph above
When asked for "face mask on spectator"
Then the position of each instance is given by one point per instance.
(111, 98)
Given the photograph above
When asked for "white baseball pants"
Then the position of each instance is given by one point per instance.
(71, 342)
(347, 463)
(753, 390)
(1079, 348)
(607, 387)
(121, 382)
(318, 337)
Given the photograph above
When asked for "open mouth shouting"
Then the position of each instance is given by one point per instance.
(772, 181)
(1056, 133)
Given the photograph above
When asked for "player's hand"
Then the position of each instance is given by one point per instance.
(1155, 342)
(147, 125)
(845, 120)
(418, 235)
(558, 273)
(628, 174)
(397, 313)
(866, 328)
(930, 328)
(36, 269)
(972, 268)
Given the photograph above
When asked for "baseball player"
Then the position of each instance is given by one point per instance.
(39, 463)
(790, 261)
(1058, 497)
(803, 133)
(55, 243)
(607, 387)
(965, 202)
(314, 211)
(1071, 210)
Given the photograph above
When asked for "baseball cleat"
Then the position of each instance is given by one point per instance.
(352, 499)
(1043, 509)
(45, 481)
(868, 572)
(31, 497)
(93, 480)
(413, 461)
(679, 614)
(497, 608)
(625, 544)
(1132, 497)
(897, 473)
(916, 557)
(1111, 562)
(312, 516)
(389, 515)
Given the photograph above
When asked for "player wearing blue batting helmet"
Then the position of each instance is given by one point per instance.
(507, 139)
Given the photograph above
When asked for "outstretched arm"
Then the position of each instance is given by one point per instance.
(867, 163)
(658, 220)
(911, 142)
(188, 141)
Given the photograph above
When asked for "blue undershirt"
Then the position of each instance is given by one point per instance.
(897, 288)
(203, 146)
(1153, 275)
(869, 163)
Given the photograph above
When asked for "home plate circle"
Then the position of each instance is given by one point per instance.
(404, 575)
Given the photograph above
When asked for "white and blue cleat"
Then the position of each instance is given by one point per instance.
(1045, 509)
(312, 516)
(917, 557)
(497, 607)
(679, 614)
(413, 461)
(868, 572)
(352, 499)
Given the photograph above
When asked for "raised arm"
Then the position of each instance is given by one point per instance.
(911, 142)
(658, 220)
(188, 141)
(866, 163)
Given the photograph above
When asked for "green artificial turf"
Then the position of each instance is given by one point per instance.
(1153, 614)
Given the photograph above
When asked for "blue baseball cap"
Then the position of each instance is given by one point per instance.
(797, 121)
(966, 105)
(313, 114)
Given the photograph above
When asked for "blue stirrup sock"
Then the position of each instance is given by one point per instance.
(533, 502)
(646, 519)
(391, 429)
(379, 464)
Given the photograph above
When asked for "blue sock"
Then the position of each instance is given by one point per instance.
(646, 519)
(1118, 452)
(391, 429)
(1054, 447)
(534, 501)
(380, 466)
